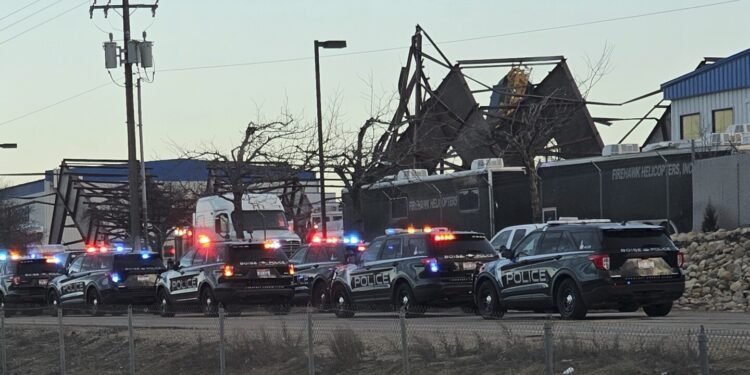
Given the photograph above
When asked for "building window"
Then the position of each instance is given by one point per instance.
(690, 126)
(468, 200)
(723, 118)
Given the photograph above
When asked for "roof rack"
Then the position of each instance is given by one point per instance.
(579, 221)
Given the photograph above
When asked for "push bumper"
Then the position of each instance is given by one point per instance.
(35, 296)
(250, 295)
(444, 294)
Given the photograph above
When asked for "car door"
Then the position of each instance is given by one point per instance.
(362, 280)
(385, 268)
(183, 282)
(529, 282)
(298, 259)
(72, 285)
(501, 239)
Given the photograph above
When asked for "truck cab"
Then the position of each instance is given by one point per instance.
(262, 216)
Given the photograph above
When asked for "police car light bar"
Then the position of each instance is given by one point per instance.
(578, 221)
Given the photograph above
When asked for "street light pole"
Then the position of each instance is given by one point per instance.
(321, 160)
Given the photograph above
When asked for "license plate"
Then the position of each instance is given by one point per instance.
(263, 272)
(43, 282)
(645, 264)
(144, 278)
(469, 266)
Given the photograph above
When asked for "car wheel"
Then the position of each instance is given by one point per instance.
(489, 303)
(94, 303)
(319, 296)
(569, 301)
(53, 303)
(166, 309)
(344, 308)
(661, 309)
(208, 301)
(406, 301)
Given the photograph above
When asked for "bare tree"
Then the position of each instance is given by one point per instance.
(14, 223)
(269, 156)
(170, 205)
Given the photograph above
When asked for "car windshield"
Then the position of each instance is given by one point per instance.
(138, 262)
(36, 267)
(461, 243)
(259, 220)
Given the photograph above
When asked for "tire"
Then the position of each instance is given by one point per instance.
(569, 301)
(488, 302)
(53, 303)
(94, 303)
(404, 299)
(166, 310)
(343, 303)
(208, 302)
(319, 296)
(658, 310)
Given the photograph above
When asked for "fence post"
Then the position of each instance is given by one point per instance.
(4, 344)
(222, 358)
(404, 341)
(310, 351)
(62, 339)
(703, 351)
(548, 349)
(131, 340)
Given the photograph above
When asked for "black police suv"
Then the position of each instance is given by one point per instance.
(231, 274)
(23, 282)
(404, 270)
(98, 280)
(579, 266)
(315, 264)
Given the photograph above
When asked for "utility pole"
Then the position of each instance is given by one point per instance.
(143, 164)
(133, 172)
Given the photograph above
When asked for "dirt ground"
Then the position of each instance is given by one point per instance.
(95, 350)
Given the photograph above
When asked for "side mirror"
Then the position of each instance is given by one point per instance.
(505, 253)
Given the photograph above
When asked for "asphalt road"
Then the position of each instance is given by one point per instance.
(450, 321)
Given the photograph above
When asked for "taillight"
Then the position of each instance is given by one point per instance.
(115, 277)
(600, 261)
(16, 280)
(681, 258)
(431, 264)
(291, 269)
(228, 270)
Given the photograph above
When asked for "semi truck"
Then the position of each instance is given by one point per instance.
(262, 216)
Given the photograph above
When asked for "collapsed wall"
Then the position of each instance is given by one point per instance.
(717, 269)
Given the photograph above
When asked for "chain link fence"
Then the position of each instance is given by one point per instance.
(260, 340)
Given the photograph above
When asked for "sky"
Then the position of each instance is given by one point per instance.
(221, 64)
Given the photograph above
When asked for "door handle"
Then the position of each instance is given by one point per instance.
(395, 264)
(316, 266)
(367, 268)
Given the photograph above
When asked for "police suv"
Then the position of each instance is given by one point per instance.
(412, 269)
(315, 263)
(230, 274)
(23, 281)
(103, 278)
(576, 266)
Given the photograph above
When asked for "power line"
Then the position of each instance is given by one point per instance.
(574, 25)
(43, 23)
(30, 15)
(54, 104)
(19, 9)
(295, 59)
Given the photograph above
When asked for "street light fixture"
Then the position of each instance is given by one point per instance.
(8, 145)
(321, 162)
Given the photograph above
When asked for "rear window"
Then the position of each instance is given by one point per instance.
(138, 262)
(252, 253)
(634, 241)
(462, 243)
(36, 267)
